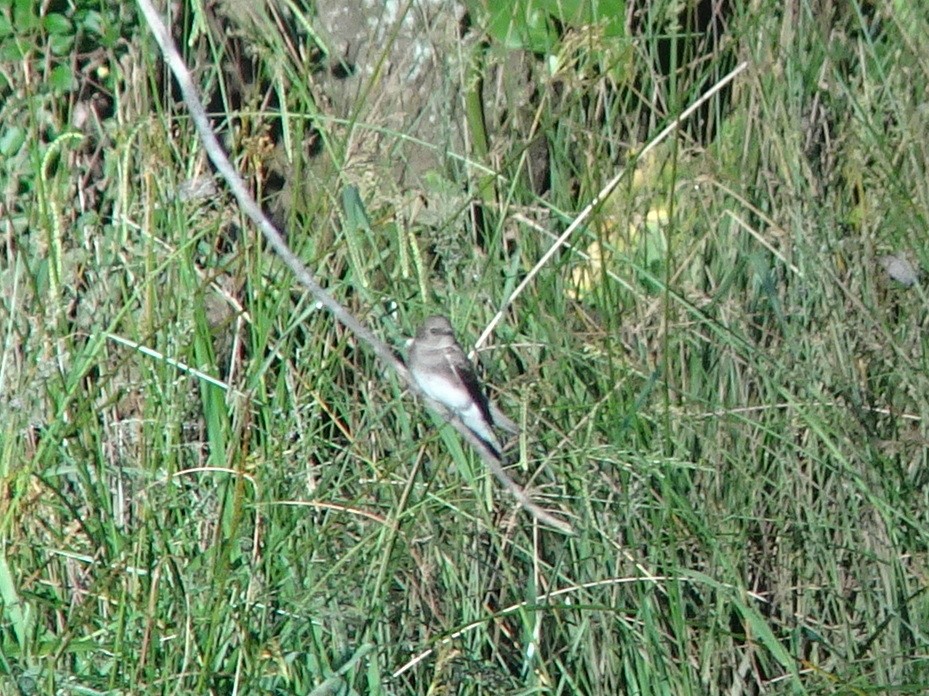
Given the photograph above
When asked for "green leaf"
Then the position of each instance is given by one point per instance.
(12, 140)
(61, 79)
(17, 613)
(60, 44)
(56, 23)
(10, 51)
(90, 21)
(530, 24)
(24, 17)
(503, 28)
(613, 14)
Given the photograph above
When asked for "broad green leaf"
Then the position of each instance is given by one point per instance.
(61, 78)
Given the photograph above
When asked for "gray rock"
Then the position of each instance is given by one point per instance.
(900, 269)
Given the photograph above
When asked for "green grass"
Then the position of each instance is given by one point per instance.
(208, 486)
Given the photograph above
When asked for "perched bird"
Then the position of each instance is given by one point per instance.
(442, 370)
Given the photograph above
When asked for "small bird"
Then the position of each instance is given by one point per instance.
(442, 370)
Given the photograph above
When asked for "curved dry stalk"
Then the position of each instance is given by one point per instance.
(602, 196)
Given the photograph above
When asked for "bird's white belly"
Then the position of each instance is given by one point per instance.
(453, 396)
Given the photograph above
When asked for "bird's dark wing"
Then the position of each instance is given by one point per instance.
(465, 372)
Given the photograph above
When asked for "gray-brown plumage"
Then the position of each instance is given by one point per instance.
(442, 370)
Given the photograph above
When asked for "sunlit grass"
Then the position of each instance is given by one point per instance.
(210, 487)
